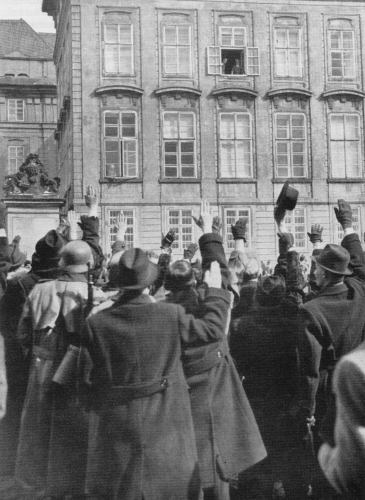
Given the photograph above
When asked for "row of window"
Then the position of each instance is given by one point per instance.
(235, 145)
(16, 109)
(232, 56)
(181, 220)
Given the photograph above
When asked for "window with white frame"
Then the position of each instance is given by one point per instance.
(345, 145)
(355, 224)
(120, 144)
(179, 142)
(232, 57)
(118, 49)
(342, 53)
(181, 221)
(296, 225)
(231, 216)
(291, 144)
(15, 158)
(235, 145)
(288, 52)
(113, 216)
(16, 110)
(177, 49)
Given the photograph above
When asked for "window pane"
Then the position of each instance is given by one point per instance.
(171, 147)
(187, 147)
(348, 64)
(187, 172)
(227, 126)
(280, 38)
(282, 126)
(281, 62)
(130, 158)
(125, 34)
(184, 60)
(347, 40)
(128, 125)
(227, 151)
(170, 60)
(170, 172)
(111, 58)
(183, 35)
(294, 38)
(338, 159)
(170, 35)
(352, 127)
(352, 159)
(125, 57)
(239, 37)
(170, 125)
(243, 158)
(294, 63)
(335, 39)
(226, 36)
(111, 33)
(337, 128)
(243, 130)
(186, 125)
(111, 118)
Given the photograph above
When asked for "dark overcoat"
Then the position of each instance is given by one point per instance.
(227, 436)
(331, 325)
(142, 439)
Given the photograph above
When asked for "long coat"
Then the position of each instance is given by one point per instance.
(52, 447)
(227, 436)
(142, 442)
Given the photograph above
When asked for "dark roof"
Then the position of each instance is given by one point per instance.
(17, 38)
(49, 38)
(24, 81)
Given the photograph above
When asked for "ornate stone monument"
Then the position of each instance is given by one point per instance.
(32, 203)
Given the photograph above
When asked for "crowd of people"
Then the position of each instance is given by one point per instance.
(146, 377)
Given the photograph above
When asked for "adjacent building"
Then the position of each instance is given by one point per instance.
(165, 102)
(28, 97)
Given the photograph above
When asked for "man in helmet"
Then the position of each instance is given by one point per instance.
(53, 436)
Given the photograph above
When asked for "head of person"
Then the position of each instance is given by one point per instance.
(179, 276)
(237, 62)
(301, 258)
(17, 257)
(331, 265)
(251, 271)
(270, 291)
(136, 273)
(75, 256)
(48, 251)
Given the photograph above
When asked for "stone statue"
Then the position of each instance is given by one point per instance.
(31, 178)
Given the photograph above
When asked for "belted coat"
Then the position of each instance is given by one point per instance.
(142, 436)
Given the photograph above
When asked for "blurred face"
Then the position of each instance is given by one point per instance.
(319, 275)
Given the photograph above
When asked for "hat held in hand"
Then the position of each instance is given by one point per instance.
(288, 197)
(334, 258)
(136, 271)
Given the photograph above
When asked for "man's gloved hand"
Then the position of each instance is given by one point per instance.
(344, 214)
(239, 229)
(217, 224)
(315, 236)
(286, 241)
(190, 251)
(168, 240)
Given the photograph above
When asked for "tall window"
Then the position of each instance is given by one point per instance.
(181, 221)
(342, 53)
(177, 49)
(121, 144)
(345, 145)
(130, 232)
(15, 110)
(15, 158)
(288, 56)
(179, 139)
(232, 56)
(296, 224)
(235, 145)
(118, 49)
(355, 224)
(231, 215)
(291, 145)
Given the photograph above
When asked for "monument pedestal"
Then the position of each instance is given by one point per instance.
(31, 218)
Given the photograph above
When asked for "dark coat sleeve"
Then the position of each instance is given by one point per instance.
(357, 263)
(211, 249)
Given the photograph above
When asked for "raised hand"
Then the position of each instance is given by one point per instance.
(213, 277)
(344, 214)
(73, 218)
(205, 220)
(190, 251)
(168, 239)
(239, 229)
(315, 236)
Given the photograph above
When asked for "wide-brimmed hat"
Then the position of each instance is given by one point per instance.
(50, 246)
(334, 258)
(288, 197)
(135, 270)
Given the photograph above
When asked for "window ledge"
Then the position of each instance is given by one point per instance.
(304, 93)
(179, 181)
(120, 180)
(131, 89)
(292, 180)
(235, 180)
(243, 91)
(178, 89)
(343, 92)
(357, 180)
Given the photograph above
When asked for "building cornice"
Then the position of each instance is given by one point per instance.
(119, 89)
(242, 91)
(179, 89)
(341, 92)
(300, 92)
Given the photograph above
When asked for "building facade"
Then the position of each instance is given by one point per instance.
(28, 97)
(165, 102)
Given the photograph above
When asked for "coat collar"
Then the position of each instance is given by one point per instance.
(142, 299)
(333, 290)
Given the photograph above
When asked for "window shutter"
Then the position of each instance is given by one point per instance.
(253, 61)
(214, 62)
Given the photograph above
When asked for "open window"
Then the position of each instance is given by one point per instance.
(232, 57)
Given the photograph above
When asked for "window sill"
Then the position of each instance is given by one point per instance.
(179, 181)
(234, 180)
(293, 180)
(345, 181)
(120, 180)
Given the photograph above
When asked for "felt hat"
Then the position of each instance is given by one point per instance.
(16, 256)
(334, 258)
(136, 271)
(49, 247)
(75, 256)
(288, 197)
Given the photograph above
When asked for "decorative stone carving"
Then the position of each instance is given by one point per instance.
(32, 179)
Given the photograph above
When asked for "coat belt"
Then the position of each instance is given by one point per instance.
(121, 394)
(207, 362)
